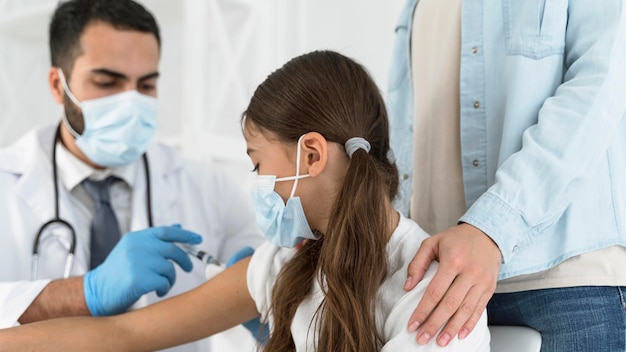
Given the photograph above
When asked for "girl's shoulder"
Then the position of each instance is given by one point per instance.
(402, 247)
(405, 241)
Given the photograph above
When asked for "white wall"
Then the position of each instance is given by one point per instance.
(230, 53)
(214, 54)
(361, 29)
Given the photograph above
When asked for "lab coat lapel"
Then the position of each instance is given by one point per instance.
(164, 167)
(35, 186)
(32, 163)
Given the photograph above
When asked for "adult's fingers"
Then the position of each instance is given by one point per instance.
(162, 275)
(165, 282)
(176, 234)
(176, 254)
(460, 315)
(470, 324)
(245, 252)
(426, 254)
(469, 262)
(435, 292)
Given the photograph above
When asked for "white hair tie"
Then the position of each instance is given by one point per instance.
(355, 143)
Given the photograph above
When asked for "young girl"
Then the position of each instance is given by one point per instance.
(331, 276)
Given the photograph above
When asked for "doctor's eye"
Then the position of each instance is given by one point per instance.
(147, 88)
(256, 168)
(108, 84)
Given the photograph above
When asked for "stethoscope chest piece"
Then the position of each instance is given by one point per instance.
(56, 230)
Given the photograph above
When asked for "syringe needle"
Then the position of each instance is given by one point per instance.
(200, 254)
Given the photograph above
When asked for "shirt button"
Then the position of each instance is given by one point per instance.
(476, 104)
(475, 50)
(405, 177)
(476, 163)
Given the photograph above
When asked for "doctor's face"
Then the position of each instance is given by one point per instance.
(112, 61)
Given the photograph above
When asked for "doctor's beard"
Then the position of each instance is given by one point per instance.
(73, 114)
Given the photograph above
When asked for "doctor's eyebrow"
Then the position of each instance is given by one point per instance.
(114, 74)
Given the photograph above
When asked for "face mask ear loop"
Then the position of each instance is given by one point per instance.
(295, 182)
(66, 88)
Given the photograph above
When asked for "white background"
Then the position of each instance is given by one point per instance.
(214, 54)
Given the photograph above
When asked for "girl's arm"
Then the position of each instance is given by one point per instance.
(217, 305)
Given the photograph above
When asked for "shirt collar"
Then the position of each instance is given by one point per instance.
(72, 171)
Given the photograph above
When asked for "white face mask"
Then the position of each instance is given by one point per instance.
(118, 128)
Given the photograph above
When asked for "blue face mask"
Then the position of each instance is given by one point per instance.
(118, 128)
(283, 225)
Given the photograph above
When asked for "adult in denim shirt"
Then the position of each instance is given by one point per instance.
(541, 106)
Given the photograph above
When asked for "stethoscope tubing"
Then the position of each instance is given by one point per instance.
(58, 221)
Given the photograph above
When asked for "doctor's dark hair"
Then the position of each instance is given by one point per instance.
(71, 17)
(328, 93)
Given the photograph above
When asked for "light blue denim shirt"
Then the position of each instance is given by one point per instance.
(400, 107)
(543, 127)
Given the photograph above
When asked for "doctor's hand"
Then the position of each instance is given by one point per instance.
(141, 262)
(469, 263)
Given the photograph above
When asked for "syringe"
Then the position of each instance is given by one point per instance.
(200, 254)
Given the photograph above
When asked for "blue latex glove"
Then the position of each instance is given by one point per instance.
(141, 262)
(253, 325)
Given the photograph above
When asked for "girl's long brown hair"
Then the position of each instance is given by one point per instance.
(326, 92)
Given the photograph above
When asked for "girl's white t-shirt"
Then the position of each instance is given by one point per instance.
(394, 306)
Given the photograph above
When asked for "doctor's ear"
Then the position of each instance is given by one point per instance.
(55, 85)
(314, 153)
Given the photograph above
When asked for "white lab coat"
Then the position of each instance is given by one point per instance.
(197, 197)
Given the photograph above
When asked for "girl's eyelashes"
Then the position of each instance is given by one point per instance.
(256, 168)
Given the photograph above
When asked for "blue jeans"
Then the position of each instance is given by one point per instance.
(585, 319)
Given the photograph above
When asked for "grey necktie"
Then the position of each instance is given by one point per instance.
(105, 230)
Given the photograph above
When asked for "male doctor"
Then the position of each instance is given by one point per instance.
(99, 173)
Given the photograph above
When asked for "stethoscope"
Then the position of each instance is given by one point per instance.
(57, 221)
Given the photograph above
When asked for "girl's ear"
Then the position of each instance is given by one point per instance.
(314, 153)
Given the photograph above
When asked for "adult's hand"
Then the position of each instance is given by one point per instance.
(469, 262)
(141, 262)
